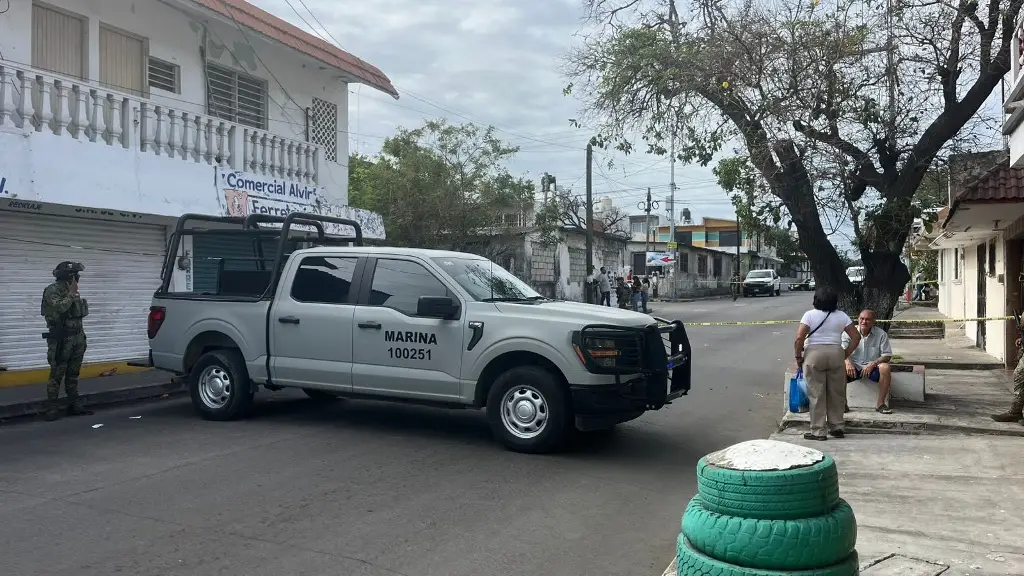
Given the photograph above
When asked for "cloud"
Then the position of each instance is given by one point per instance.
(493, 62)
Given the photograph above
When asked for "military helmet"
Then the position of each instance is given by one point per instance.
(67, 268)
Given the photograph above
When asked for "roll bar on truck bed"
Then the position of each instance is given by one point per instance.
(250, 226)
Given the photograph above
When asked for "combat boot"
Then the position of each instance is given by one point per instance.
(78, 411)
(52, 411)
(1014, 414)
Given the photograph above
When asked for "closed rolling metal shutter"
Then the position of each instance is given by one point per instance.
(122, 270)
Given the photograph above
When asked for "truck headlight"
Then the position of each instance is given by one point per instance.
(602, 350)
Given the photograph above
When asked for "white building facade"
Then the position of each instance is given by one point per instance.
(118, 116)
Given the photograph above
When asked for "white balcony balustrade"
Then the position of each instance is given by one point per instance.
(35, 101)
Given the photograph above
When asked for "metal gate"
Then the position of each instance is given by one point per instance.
(981, 296)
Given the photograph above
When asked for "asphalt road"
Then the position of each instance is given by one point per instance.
(375, 489)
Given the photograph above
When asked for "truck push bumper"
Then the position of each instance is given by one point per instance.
(651, 365)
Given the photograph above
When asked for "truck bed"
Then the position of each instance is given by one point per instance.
(188, 316)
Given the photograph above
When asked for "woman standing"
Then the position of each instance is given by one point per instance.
(820, 353)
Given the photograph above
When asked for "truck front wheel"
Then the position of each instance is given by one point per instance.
(528, 410)
(219, 385)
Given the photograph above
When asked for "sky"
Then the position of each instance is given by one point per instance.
(491, 62)
(497, 62)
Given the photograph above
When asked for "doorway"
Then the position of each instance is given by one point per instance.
(982, 253)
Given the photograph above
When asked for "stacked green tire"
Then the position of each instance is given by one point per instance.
(768, 522)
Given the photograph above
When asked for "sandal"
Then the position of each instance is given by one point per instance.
(809, 436)
(884, 409)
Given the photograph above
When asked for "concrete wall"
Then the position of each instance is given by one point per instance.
(958, 298)
(176, 37)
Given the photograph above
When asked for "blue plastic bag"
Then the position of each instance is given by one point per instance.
(798, 392)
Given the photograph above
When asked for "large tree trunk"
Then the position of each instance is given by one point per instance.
(884, 283)
(885, 274)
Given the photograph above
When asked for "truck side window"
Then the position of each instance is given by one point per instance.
(398, 284)
(324, 280)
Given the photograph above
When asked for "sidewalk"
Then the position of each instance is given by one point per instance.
(951, 353)
(952, 500)
(936, 481)
(27, 400)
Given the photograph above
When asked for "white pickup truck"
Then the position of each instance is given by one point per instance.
(334, 318)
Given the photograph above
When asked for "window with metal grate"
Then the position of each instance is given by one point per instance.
(236, 97)
(164, 75)
(323, 127)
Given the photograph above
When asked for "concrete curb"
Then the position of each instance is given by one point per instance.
(873, 426)
(940, 365)
(107, 397)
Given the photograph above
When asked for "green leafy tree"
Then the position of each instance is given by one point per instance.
(442, 186)
(361, 193)
(839, 109)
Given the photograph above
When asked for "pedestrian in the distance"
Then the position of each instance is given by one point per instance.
(645, 290)
(919, 286)
(64, 308)
(605, 285)
(819, 351)
(654, 286)
(622, 293)
(636, 289)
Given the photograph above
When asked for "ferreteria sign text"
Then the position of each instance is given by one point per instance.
(241, 194)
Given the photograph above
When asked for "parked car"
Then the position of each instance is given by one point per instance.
(855, 274)
(337, 319)
(762, 282)
(802, 285)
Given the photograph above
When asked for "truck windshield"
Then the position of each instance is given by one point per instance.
(486, 281)
(759, 274)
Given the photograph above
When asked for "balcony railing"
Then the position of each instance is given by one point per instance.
(35, 101)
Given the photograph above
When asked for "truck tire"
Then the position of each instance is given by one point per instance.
(528, 410)
(321, 395)
(219, 386)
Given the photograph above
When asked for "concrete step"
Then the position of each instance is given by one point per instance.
(926, 334)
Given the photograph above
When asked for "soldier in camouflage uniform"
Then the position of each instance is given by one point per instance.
(63, 308)
(1016, 411)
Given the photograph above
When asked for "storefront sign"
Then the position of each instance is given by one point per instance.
(243, 193)
(660, 258)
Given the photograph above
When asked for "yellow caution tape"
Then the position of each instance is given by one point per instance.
(892, 321)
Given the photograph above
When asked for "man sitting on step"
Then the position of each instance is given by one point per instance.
(871, 358)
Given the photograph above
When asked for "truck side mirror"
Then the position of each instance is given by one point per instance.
(443, 307)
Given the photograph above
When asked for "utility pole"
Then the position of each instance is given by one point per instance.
(647, 207)
(672, 209)
(590, 220)
(739, 243)
(890, 72)
(547, 182)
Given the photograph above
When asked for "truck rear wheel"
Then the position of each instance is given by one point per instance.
(528, 410)
(219, 385)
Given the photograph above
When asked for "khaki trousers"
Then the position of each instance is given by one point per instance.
(825, 372)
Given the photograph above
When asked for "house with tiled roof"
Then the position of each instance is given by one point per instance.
(118, 116)
(979, 238)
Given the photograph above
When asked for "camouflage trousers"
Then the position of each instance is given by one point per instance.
(65, 359)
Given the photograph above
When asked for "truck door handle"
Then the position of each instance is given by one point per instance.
(370, 325)
(288, 320)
